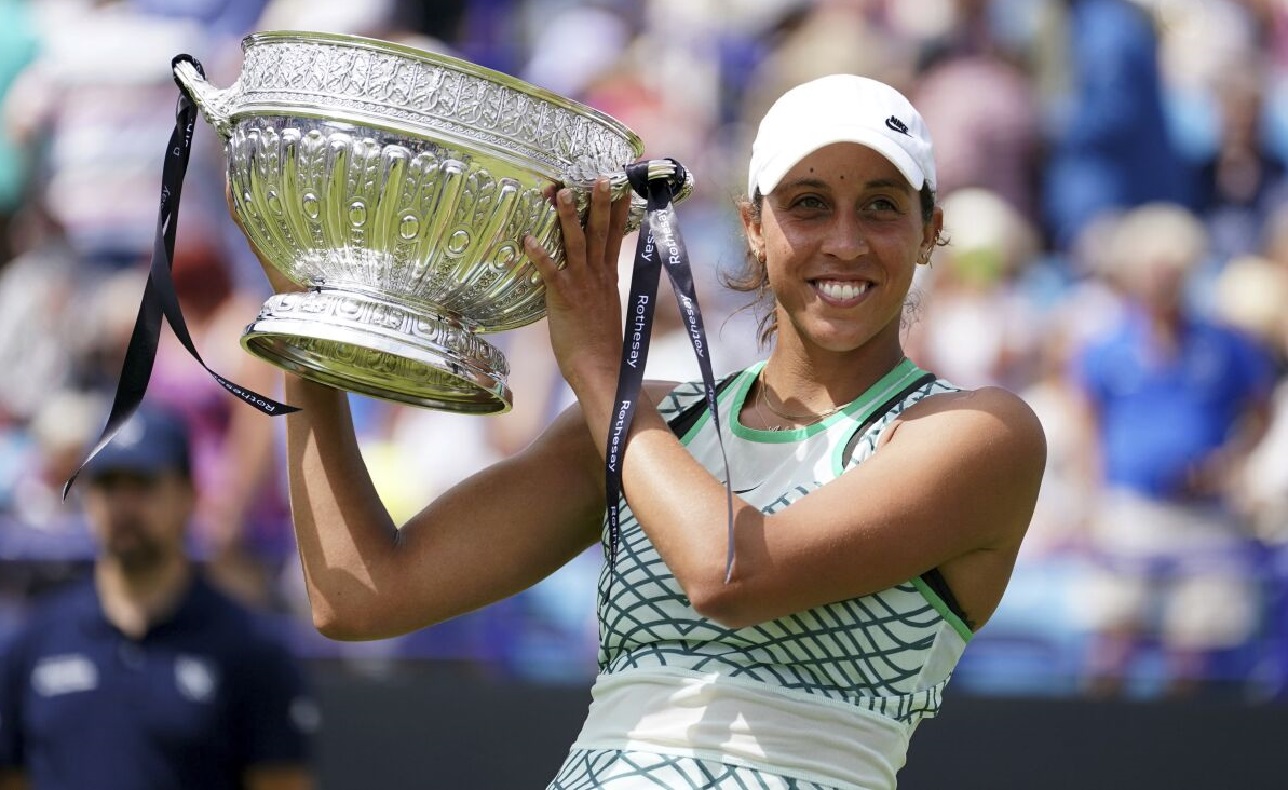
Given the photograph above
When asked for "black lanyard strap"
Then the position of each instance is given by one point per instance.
(159, 297)
(660, 246)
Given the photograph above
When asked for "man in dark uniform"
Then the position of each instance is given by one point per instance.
(144, 676)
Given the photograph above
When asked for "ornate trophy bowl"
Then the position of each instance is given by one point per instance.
(397, 186)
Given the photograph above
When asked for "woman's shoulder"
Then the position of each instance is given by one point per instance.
(976, 441)
(992, 415)
(993, 400)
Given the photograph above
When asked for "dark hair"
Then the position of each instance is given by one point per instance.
(754, 276)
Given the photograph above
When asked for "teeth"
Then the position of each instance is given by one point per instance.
(839, 290)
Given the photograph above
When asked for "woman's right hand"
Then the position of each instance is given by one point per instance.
(583, 303)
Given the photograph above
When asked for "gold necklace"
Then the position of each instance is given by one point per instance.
(769, 426)
(803, 420)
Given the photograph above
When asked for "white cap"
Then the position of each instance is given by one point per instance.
(841, 108)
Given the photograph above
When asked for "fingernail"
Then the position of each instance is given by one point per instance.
(565, 196)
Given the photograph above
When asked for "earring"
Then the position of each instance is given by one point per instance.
(924, 257)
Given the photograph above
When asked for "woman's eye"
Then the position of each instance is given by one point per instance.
(808, 201)
(882, 204)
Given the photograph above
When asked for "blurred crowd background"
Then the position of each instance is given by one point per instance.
(1113, 177)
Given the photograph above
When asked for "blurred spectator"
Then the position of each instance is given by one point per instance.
(108, 310)
(432, 26)
(66, 334)
(826, 37)
(242, 520)
(1269, 22)
(985, 123)
(1201, 40)
(1275, 237)
(17, 48)
(1243, 182)
(1067, 499)
(1252, 295)
(58, 433)
(40, 291)
(226, 19)
(346, 18)
(97, 106)
(576, 45)
(1177, 403)
(1112, 147)
(982, 110)
(980, 328)
(215, 702)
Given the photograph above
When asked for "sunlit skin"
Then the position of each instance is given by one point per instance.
(841, 235)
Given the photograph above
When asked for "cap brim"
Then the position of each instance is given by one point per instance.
(772, 172)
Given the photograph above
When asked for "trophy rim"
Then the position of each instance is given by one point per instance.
(635, 142)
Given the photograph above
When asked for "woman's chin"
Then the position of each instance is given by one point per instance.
(838, 334)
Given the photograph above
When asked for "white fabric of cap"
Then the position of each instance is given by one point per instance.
(840, 108)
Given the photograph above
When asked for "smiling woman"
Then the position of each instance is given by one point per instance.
(878, 509)
(804, 162)
(841, 229)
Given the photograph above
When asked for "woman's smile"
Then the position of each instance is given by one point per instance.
(842, 293)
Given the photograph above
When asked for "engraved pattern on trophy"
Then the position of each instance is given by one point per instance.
(394, 370)
(344, 211)
(338, 210)
(338, 311)
(469, 107)
(397, 185)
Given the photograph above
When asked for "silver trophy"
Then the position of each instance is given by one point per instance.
(397, 185)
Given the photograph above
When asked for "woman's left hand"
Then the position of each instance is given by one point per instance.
(583, 304)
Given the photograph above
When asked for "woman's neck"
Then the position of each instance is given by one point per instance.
(811, 380)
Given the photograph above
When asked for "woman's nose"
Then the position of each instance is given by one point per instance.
(845, 238)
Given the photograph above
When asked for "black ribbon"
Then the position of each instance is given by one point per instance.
(159, 297)
(660, 247)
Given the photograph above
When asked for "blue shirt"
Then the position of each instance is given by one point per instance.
(1159, 413)
(191, 705)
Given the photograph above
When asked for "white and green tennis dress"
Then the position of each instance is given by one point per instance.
(825, 699)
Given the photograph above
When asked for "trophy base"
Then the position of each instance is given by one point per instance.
(370, 346)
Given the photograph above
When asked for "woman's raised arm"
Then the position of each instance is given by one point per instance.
(492, 535)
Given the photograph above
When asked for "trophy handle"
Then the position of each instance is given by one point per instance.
(216, 105)
(620, 185)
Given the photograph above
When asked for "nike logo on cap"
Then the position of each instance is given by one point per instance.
(896, 125)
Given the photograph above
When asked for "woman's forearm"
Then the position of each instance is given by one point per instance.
(682, 508)
(344, 532)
